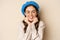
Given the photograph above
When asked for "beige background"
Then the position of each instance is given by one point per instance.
(10, 16)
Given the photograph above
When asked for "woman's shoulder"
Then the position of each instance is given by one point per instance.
(21, 25)
(41, 24)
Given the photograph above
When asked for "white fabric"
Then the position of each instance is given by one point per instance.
(31, 33)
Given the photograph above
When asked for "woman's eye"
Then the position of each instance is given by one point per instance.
(27, 12)
(33, 11)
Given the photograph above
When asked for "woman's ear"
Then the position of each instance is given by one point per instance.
(37, 13)
(25, 14)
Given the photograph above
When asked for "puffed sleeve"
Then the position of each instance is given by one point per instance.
(20, 32)
(41, 30)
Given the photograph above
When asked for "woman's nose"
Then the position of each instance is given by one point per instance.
(30, 13)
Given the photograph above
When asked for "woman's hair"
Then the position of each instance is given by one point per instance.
(36, 24)
(33, 6)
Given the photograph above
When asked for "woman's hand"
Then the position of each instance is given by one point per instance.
(26, 20)
(35, 20)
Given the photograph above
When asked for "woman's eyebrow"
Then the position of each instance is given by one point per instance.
(34, 10)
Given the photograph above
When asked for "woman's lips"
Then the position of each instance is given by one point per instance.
(31, 17)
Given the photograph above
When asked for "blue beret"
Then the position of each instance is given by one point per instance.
(29, 3)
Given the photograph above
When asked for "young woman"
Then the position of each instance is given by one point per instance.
(31, 28)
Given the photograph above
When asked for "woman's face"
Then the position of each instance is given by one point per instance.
(30, 13)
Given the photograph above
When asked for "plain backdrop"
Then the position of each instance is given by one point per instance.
(10, 16)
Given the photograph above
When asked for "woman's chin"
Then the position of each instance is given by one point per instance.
(30, 20)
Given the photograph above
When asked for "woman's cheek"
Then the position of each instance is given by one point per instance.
(34, 15)
(27, 15)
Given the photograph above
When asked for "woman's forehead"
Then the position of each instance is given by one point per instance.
(30, 8)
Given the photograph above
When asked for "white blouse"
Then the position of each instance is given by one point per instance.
(31, 33)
